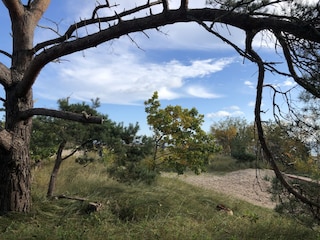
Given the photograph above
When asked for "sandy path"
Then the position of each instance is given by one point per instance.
(249, 184)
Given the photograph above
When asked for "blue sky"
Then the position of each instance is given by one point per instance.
(184, 63)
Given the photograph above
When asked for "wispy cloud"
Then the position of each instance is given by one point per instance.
(126, 78)
(201, 92)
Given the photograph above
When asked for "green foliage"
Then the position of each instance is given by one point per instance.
(48, 132)
(179, 141)
(236, 137)
(44, 140)
(127, 165)
(128, 149)
(286, 146)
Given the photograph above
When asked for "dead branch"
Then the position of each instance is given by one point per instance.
(184, 4)
(69, 33)
(6, 53)
(92, 206)
(70, 198)
(303, 179)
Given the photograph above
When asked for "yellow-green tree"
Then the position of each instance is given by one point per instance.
(180, 143)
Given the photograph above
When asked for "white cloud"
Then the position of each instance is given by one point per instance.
(124, 77)
(288, 83)
(249, 84)
(200, 92)
(232, 111)
(251, 104)
(235, 108)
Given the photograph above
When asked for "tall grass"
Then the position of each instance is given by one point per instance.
(168, 209)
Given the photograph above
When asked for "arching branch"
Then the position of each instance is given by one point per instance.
(286, 51)
(60, 114)
(6, 53)
(258, 121)
(84, 23)
(64, 46)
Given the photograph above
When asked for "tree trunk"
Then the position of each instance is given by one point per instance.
(55, 170)
(15, 174)
(15, 167)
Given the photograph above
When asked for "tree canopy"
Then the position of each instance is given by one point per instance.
(179, 141)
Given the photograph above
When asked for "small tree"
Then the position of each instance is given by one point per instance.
(130, 150)
(51, 135)
(179, 141)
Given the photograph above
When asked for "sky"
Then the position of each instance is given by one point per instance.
(185, 64)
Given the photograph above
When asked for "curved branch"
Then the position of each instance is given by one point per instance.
(287, 55)
(64, 47)
(84, 23)
(84, 118)
(6, 53)
(240, 20)
(258, 121)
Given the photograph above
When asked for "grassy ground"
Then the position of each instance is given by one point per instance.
(168, 209)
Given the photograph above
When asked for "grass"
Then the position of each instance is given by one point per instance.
(224, 164)
(168, 209)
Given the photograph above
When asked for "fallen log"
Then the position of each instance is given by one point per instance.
(92, 206)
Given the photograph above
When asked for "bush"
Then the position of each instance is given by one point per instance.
(243, 156)
(128, 166)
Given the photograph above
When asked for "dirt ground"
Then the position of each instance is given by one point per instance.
(250, 185)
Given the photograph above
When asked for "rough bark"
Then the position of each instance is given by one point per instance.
(15, 176)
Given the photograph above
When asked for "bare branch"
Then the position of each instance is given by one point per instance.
(6, 53)
(64, 45)
(184, 4)
(76, 149)
(97, 8)
(59, 114)
(258, 121)
(165, 5)
(85, 23)
(300, 81)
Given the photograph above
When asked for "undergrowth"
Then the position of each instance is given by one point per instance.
(167, 209)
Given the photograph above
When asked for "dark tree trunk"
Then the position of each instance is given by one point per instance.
(15, 167)
(15, 175)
